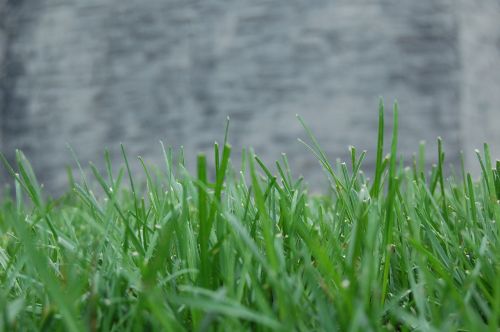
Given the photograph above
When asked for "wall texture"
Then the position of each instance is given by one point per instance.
(99, 72)
(3, 49)
(480, 74)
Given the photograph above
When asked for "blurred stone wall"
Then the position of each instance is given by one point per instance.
(96, 73)
(480, 75)
(3, 49)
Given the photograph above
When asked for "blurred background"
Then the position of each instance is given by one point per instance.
(95, 73)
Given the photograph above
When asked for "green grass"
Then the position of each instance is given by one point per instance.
(254, 251)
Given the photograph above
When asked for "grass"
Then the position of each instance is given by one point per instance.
(251, 250)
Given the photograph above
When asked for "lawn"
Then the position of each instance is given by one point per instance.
(245, 249)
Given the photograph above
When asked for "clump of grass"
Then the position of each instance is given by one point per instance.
(253, 250)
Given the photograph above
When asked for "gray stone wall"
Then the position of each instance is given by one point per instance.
(99, 72)
(480, 80)
(3, 48)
